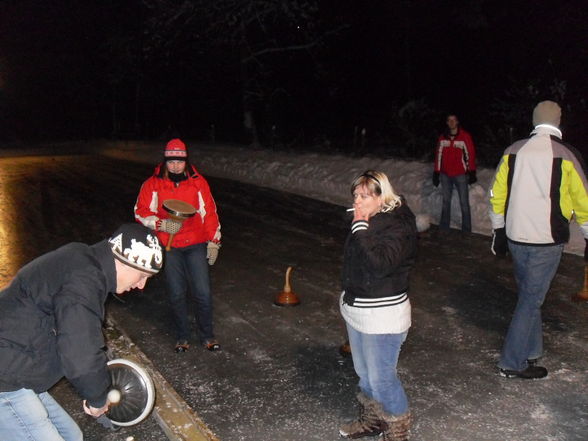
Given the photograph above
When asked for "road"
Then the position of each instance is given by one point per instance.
(279, 375)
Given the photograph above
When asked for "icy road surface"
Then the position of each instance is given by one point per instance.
(279, 375)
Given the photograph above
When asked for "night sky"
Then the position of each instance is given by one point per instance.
(80, 70)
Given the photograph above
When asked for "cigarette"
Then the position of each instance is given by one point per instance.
(351, 209)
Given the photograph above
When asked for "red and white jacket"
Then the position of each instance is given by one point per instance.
(456, 156)
(204, 226)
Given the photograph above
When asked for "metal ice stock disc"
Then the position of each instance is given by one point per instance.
(137, 393)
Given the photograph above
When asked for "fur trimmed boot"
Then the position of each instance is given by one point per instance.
(368, 423)
(395, 427)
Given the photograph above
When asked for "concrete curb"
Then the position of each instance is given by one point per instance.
(172, 413)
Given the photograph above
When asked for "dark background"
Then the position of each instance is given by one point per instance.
(357, 77)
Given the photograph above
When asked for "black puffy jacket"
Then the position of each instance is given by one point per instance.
(377, 261)
(51, 322)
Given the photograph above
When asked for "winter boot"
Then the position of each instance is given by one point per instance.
(395, 427)
(182, 346)
(368, 423)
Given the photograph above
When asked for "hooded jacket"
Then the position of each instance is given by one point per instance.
(455, 155)
(204, 226)
(377, 260)
(51, 318)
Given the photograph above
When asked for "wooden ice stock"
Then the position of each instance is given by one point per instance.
(179, 211)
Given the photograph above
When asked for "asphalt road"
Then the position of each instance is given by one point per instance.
(279, 375)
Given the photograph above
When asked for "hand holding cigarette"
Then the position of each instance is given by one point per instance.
(358, 214)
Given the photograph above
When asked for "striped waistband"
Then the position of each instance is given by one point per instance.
(363, 302)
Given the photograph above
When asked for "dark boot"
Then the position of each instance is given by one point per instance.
(395, 427)
(368, 423)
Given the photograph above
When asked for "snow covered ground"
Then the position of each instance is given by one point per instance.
(327, 178)
(279, 375)
(318, 176)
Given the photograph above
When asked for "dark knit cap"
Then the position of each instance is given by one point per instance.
(137, 246)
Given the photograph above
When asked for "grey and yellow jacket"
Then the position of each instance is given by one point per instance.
(539, 185)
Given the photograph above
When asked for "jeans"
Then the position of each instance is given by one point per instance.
(374, 358)
(187, 269)
(461, 185)
(27, 416)
(534, 269)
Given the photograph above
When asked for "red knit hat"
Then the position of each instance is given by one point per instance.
(175, 150)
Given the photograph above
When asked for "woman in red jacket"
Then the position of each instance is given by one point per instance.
(195, 242)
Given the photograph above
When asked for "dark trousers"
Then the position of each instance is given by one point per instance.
(461, 185)
(186, 270)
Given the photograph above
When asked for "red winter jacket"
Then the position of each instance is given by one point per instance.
(455, 156)
(204, 226)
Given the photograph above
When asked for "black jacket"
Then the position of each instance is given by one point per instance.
(51, 322)
(376, 261)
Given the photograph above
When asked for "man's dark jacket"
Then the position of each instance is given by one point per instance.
(51, 322)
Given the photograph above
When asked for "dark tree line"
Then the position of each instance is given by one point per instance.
(363, 77)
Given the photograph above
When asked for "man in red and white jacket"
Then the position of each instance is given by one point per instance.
(455, 165)
(195, 242)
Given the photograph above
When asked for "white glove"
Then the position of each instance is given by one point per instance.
(212, 252)
(169, 226)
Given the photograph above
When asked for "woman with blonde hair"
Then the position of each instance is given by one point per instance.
(379, 253)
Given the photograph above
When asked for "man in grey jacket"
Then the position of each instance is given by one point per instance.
(539, 186)
(51, 318)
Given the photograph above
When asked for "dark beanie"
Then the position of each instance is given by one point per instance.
(138, 247)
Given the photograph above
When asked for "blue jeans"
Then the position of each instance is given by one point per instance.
(374, 358)
(27, 416)
(187, 269)
(534, 269)
(461, 185)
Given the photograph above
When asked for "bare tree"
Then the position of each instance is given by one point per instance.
(253, 36)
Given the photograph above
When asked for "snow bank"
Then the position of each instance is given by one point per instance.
(327, 178)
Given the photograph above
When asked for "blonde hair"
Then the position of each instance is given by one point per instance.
(377, 183)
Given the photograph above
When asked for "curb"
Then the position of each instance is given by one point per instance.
(172, 413)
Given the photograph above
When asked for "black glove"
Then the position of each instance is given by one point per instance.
(586, 251)
(436, 179)
(499, 246)
(472, 177)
